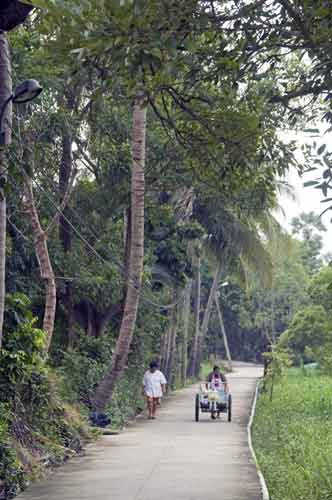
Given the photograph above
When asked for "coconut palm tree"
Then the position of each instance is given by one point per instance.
(106, 387)
(230, 239)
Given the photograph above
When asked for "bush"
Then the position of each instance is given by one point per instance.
(310, 328)
(34, 421)
(11, 472)
(82, 370)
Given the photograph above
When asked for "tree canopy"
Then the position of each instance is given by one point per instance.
(141, 188)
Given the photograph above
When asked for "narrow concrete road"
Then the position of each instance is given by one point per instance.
(172, 458)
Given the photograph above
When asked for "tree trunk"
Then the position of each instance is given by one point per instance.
(65, 172)
(164, 351)
(208, 309)
(172, 341)
(127, 238)
(90, 320)
(5, 127)
(193, 365)
(3, 213)
(71, 317)
(106, 387)
(186, 317)
(223, 331)
(65, 232)
(45, 266)
(110, 312)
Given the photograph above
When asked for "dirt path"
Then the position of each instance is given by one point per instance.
(172, 458)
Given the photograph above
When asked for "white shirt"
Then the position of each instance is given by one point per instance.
(152, 383)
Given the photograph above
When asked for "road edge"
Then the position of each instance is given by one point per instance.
(264, 489)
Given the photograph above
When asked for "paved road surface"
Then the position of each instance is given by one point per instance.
(172, 458)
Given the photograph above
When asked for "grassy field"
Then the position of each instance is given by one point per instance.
(293, 437)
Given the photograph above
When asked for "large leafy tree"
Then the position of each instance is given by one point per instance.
(308, 226)
(169, 72)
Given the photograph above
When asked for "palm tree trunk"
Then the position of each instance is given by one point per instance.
(193, 365)
(208, 308)
(186, 317)
(45, 266)
(106, 387)
(5, 139)
(223, 331)
(3, 213)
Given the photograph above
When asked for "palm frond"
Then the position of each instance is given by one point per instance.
(230, 238)
(286, 189)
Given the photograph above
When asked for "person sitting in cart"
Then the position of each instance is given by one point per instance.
(154, 386)
(217, 379)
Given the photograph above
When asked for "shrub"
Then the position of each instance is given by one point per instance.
(33, 418)
(11, 471)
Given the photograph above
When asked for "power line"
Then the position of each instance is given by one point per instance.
(91, 248)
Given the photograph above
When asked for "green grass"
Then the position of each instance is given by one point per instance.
(293, 437)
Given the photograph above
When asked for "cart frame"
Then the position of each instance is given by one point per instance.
(213, 400)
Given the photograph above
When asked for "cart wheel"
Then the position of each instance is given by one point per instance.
(197, 408)
(229, 408)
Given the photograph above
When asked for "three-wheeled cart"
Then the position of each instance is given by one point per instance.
(213, 400)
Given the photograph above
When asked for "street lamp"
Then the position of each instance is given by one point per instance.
(13, 13)
(24, 92)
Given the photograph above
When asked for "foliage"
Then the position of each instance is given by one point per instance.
(320, 290)
(309, 329)
(81, 370)
(22, 354)
(308, 334)
(32, 415)
(309, 227)
(11, 471)
(293, 437)
(216, 84)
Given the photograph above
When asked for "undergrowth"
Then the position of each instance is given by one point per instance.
(82, 370)
(293, 436)
(37, 428)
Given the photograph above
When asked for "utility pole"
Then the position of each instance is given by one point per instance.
(5, 140)
(223, 331)
(12, 13)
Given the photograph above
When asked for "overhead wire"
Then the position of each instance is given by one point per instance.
(78, 233)
(91, 248)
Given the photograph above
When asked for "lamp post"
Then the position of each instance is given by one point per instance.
(12, 13)
(222, 326)
(25, 92)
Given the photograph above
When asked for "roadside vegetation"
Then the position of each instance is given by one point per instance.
(293, 436)
(293, 424)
